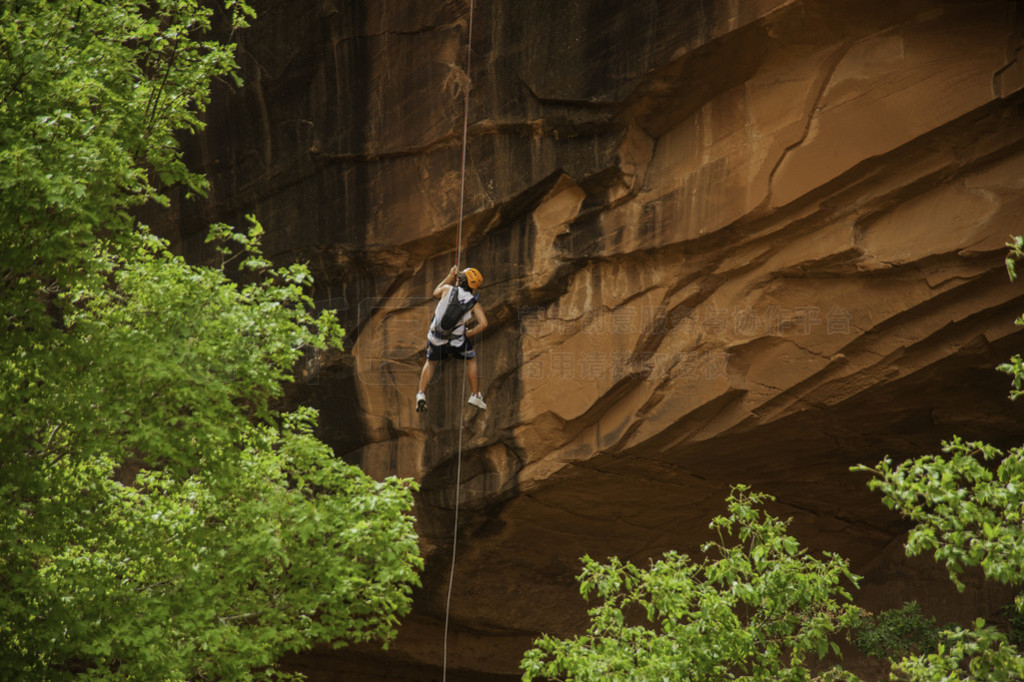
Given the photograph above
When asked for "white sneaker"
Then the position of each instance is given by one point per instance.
(421, 402)
(477, 400)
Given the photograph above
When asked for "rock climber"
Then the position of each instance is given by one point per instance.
(449, 335)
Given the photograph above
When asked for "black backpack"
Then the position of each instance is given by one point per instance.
(453, 314)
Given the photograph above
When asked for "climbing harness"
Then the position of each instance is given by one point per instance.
(462, 401)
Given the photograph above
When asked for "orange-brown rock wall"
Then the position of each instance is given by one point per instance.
(722, 242)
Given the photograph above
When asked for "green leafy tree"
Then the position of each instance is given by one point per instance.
(967, 506)
(759, 609)
(163, 518)
(982, 653)
(895, 633)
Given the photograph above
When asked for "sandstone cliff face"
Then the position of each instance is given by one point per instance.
(723, 242)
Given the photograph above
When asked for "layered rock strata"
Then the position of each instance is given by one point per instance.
(722, 241)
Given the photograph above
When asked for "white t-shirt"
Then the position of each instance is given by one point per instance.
(458, 336)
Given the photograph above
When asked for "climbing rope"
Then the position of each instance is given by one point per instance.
(462, 401)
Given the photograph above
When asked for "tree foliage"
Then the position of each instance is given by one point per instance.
(762, 608)
(895, 633)
(967, 506)
(163, 518)
(981, 653)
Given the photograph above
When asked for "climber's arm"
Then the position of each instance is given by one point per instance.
(446, 282)
(481, 321)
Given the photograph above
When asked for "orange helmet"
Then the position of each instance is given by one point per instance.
(473, 278)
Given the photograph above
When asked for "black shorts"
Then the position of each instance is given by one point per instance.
(463, 352)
